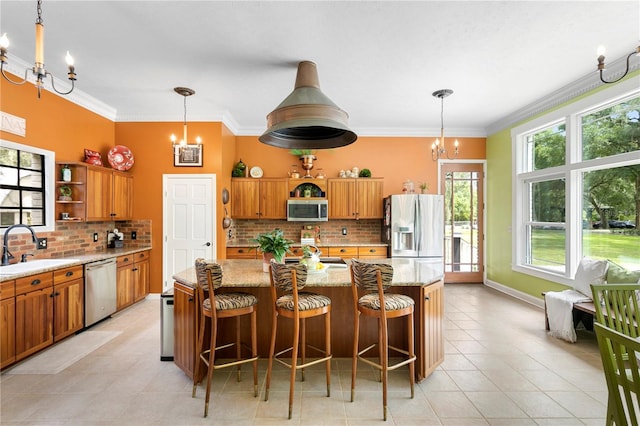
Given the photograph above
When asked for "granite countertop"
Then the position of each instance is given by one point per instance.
(77, 260)
(247, 243)
(248, 273)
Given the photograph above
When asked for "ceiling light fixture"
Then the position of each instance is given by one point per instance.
(178, 146)
(438, 149)
(307, 119)
(601, 66)
(38, 69)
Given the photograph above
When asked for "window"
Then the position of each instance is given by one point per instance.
(26, 186)
(576, 185)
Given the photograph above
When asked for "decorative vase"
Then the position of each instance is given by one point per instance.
(307, 164)
(266, 260)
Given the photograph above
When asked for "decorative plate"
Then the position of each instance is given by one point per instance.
(255, 172)
(120, 157)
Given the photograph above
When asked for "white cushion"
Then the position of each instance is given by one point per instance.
(590, 271)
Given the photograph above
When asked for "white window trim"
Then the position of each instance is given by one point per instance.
(49, 190)
(571, 171)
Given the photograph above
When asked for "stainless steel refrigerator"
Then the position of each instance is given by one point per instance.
(413, 226)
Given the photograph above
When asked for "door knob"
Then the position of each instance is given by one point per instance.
(208, 244)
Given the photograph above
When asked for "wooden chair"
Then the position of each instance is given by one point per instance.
(368, 283)
(225, 305)
(289, 301)
(616, 306)
(620, 355)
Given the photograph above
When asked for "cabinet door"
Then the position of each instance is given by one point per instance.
(7, 331)
(124, 286)
(245, 198)
(184, 328)
(122, 196)
(341, 197)
(430, 340)
(273, 199)
(34, 322)
(141, 279)
(99, 190)
(372, 252)
(68, 308)
(369, 198)
(241, 253)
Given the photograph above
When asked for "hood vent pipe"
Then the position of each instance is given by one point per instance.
(307, 119)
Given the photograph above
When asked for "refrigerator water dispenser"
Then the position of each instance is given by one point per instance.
(403, 238)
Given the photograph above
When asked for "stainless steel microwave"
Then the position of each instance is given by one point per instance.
(308, 210)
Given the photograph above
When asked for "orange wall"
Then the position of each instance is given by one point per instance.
(395, 159)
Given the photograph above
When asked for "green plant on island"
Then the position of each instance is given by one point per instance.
(273, 242)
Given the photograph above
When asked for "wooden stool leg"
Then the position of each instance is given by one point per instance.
(212, 357)
(238, 346)
(354, 361)
(303, 344)
(272, 350)
(196, 368)
(384, 356)
(294, 359)
(410, 335)
(254, 349)
(327, 345)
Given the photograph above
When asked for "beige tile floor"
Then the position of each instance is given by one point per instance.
(500, 369)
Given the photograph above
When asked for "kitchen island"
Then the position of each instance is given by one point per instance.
(412, 277)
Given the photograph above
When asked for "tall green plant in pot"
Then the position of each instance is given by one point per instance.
(273, 245)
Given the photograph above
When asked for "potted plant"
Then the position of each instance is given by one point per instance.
(273, 245)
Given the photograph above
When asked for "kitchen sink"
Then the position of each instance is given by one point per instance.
(34, 265)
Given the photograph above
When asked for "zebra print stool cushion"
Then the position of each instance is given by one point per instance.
(231, 301)
(392, 302)
(306, 301)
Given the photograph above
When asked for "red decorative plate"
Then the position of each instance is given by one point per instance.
(120, 157)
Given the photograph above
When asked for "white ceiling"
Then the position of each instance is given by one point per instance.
(379, 61)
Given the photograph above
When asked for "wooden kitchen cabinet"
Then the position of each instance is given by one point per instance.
(109, 194)
(71, 196)
(355, 198)
(242, 253)
(34, 314)
(264, 198)
(132, 278)
(372, 252)
(141, 275)
(185, 326)
(429, 332)
(344, 252)
(68, 301)
(7, 323)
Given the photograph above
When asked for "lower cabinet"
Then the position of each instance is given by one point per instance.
(7, 323)
(141, 275)
(430, 344)
(185, 323)
(34, 314)
(132, 278)
(68, 301)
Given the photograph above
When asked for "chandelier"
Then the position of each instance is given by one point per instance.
(38, 69)
(438, 149)
(180, 146)
(601, 66)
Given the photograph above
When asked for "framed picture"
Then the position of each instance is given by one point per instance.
(188, 156)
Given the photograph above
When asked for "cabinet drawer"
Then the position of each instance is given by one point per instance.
(372, 251)
(345, 252)
(124, 260)
(34, 282)
(67, 274)
(7, 289)
(140, 256)
(241, 253)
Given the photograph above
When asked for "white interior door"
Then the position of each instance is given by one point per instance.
(189, 218)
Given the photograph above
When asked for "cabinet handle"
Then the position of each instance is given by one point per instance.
(35, 282)
(190, 299)
(126, 259)
(342, 250)
(427, 298)
(69, 273)
(240, 251)
(134, 269)
(372, 250)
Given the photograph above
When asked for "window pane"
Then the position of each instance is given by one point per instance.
(547, 201)
(613, 130)
(9, 198)
(8, 157)
(30, 179)
(29, 160)
(8, 176)
(610, 203)
(33, 217)
(547, 247)
(9, 217)
(546, 148)
(32, 199)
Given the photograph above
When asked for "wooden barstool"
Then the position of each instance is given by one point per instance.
(290, 302)
(368, 284)
(225, 305)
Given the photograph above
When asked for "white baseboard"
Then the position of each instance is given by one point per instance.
(525, 297)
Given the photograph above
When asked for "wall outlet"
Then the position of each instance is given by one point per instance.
(42, 243)
(344, 231)
(134, 235)
(95, 237)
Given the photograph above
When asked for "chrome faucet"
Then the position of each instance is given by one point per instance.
(6, 254)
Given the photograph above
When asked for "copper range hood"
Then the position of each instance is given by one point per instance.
(307, 118)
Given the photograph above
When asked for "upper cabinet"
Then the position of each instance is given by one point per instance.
(94, 194)
(359, 198)
(259, 198)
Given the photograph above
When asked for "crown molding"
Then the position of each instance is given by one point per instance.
(565, 94)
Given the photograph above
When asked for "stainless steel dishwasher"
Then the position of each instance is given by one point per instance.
(99, 290)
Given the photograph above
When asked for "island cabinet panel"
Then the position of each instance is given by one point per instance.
(68, 302)
(185, 326)
(430, 344)
(7, 323)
